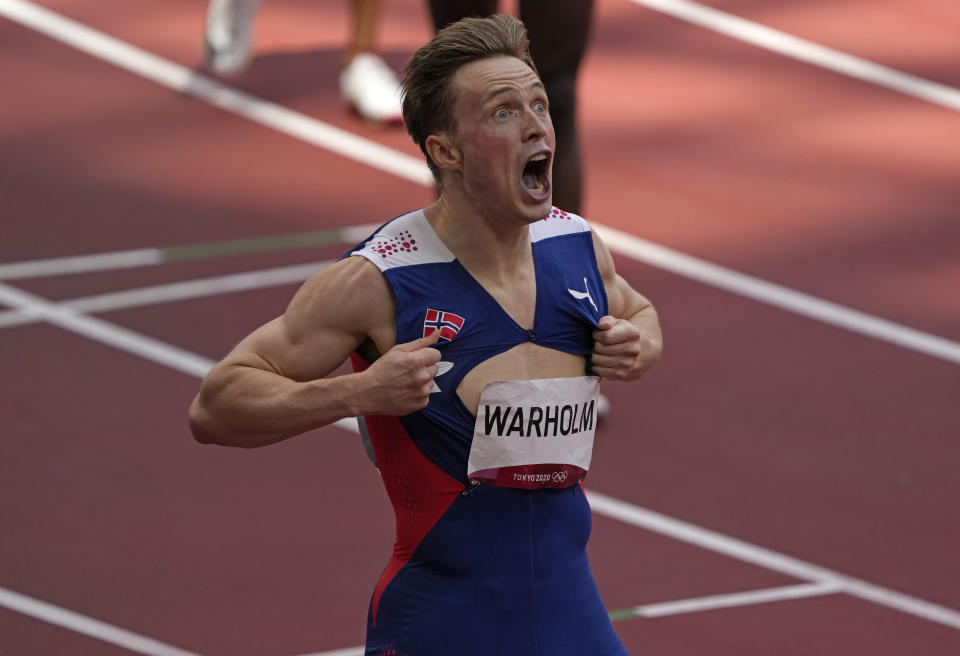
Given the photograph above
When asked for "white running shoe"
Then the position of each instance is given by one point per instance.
(228, 33)
(368, 84)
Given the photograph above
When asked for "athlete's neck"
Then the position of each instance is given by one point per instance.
(488, 247)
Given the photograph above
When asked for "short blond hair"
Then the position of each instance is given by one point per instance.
(428, 100)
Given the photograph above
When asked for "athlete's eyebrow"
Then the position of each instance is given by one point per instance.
(509, 89)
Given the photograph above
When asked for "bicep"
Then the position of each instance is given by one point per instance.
(328, 318)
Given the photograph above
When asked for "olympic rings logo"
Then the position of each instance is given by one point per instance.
(559, 477)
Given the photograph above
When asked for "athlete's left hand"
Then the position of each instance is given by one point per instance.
(621, 351)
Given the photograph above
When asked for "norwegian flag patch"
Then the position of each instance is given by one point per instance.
(448, 323)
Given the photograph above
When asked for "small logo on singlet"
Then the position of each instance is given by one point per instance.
(448, 323)
(584, 295)
(442, 368)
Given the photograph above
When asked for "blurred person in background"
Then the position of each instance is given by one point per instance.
(366, 82)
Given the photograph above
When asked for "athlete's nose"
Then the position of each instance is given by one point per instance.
(536, 125)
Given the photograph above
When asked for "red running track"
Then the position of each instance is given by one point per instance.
(781, 431)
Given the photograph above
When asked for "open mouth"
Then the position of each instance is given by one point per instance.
(534, 175)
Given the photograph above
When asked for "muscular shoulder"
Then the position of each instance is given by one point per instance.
(349, 297)
(408, 240)
(622, 299)
(334, 312)
(604, 260)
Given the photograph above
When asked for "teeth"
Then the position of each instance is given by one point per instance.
(538, 158)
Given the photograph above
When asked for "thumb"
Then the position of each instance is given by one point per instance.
(421, 342)
(606, 322)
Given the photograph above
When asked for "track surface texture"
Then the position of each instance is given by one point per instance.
(809, 466)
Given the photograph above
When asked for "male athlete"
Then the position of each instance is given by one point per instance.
(479, 328)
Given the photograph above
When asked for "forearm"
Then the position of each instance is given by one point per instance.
(249, 407)
(651, 340)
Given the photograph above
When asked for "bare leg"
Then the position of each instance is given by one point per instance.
(364, 15)
(445, 12)
(366, 82)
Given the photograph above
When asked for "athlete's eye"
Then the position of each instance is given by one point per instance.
(540, 107)
(502, 113)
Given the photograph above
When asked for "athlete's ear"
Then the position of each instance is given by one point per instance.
(444, 152)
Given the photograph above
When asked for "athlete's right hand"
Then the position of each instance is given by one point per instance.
(402, 378)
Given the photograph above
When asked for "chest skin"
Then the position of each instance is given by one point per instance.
(523, 362)
(518, 299)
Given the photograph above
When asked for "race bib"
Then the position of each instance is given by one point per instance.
(534, 434)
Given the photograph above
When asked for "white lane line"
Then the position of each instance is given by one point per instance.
(100, 331)
(178, 291)
(349, 651)
(183, 80)
(118, 337)
(736, 599)
(700, 604)
(88, 626)
(81, 263)
(293, 123)
(107, 333)
(706, 539)
(176, 358)
(154, 256)
(618, 241)
(193, 364)
(778, 295)
(806, 51)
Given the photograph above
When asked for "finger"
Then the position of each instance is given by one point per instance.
(608, 374)
(606, 329)
(433, 370)
(629, 348)
(609, 336)
(432, 338)
(421, 377)
(599, 348)
(429, 356)
(606, 322)
(608, 362)
(612, 369)
(422, 365)
(622, 331)
(421, 342)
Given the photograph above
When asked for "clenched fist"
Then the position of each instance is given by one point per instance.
(402, 378)
(621, 351)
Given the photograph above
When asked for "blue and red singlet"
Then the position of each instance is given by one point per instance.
(477, 569)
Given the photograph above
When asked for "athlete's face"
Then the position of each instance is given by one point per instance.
(505, 136)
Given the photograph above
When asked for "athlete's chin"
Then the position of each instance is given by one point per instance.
(535, 208)
(539, 213)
